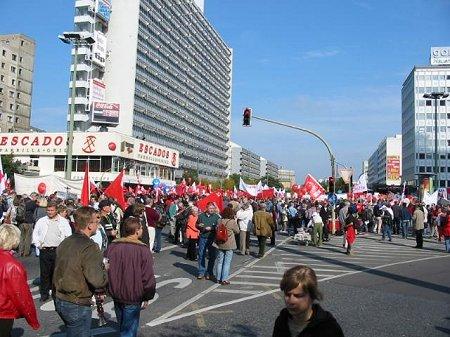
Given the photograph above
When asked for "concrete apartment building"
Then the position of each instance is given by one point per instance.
(286, 177)
(16, 82)
(165, 70)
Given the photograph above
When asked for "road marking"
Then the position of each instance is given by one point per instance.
(235, 291)
(168, 247)
(207, 291)
(264, 272)
(257, 284)
(94, 332)
(199, 317)
(159, 321)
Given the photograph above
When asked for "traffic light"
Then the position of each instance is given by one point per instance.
(331, 184)
(247, 117)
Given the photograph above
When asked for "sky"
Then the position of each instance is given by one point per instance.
(332, 66)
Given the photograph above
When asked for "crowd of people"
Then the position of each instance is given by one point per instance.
(86, 252)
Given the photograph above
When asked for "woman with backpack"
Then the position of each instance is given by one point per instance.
(225, 245)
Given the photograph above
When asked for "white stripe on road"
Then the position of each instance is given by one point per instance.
(94, 332)
(168, 247)
(263, 284)
(205, 292)
(234, 291)
(159, 321)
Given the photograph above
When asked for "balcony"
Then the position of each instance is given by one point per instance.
(82, 50)
(82, 67)
(80, 84)
(84, 19)
(84, 3)
(78, 100)
(79, 117)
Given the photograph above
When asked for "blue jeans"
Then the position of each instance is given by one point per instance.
(128, 318)
(76, 318)
(223, 265)
(205, 243)
(157, 247)
(387, 231)
(405, 224)
(447, 243)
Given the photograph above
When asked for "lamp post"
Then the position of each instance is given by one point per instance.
(76, 39)
(436, 96)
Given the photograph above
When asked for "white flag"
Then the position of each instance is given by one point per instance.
(361, 185)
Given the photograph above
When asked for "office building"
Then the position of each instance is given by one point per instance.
(16, 82)
(418, 120)
(272, 169)
(365, 167)
(385, 163)
(165, 72)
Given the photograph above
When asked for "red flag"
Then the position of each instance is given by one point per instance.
(86, 189)
(266, 194)
(181, 188)
(213, 197)
(313, 188)
(115, 191)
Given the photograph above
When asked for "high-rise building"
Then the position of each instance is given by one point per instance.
(16, 82)
(272, 169)
(385, 163)
(418, 120)
(167, 70)
(365, 167)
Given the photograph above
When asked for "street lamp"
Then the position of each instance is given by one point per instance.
(436, 96)
(76, 39)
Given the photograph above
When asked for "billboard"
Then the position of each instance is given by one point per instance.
(99, 49)
(105, 113)
(440, 56)
(393, 170)
(97, 91)
(103, 9)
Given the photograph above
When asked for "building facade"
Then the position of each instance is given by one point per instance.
(418, 120)
(107, 153)
(168, 73)
(365, 167)
(286, 177)
(385, 164)
(16, 82)
(272, 169)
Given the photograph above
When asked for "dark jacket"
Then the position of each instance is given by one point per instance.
(131, 276)
(406, 215)
(322, 324)
(78, 269)
(30, 207)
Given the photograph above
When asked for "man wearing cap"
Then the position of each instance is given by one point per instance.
(263, 227)
(107, 219)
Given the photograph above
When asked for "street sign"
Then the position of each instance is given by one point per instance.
(332, 198)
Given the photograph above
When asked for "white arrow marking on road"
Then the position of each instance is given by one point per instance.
(183, 282)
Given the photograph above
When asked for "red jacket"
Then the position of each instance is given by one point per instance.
(446, 228)
(15, 295)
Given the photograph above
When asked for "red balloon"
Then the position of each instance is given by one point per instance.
(112, 146)
(42, 188)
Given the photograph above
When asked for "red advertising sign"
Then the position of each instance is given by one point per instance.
(393, 167)
(105, 113)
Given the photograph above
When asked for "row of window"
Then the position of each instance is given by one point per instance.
(13, 68)
(11, 93)
(13, 56)
(9, 118)
(12, 106)
(432, 77)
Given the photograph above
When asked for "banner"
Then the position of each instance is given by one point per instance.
(51, 184)
(346, 174)
(97, 91)
(252, 190)
(361, 185)
(99, 49)
(105, 113)
(393, 170)
(313, 188)
(103, 9)
(214, 198)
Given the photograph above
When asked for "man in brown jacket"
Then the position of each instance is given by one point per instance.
(79, 269)
(263, 226)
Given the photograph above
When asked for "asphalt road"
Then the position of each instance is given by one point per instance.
(385, 289)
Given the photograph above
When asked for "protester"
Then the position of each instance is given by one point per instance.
(107, 219)
(26, 227)
(79, 271)
(15, 296)
(303, 316)
(153, 217)
(387, 222)
(225, 249)
(48, 234)
(446, 232)
(207, 223)
(263, 226)
(192, 233)
(317, 225)
(349, 227)
(41, 209)
(244, 217)
(131, 278)
(405, 220)
(419, 221)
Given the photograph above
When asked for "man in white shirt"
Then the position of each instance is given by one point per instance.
(48, 233)
(244, 218)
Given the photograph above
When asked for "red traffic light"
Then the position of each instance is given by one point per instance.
(247, 117)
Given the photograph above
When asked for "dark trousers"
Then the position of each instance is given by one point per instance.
(191, 253)
(262, 244)
(419, 238)
(6, 327)
(47, 257)
(272, 238)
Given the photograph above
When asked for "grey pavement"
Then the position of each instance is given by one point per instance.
(385, 289)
